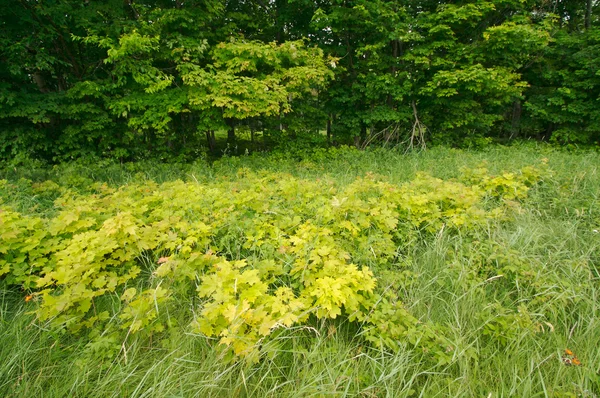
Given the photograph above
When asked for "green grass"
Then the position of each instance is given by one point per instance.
(556, 236)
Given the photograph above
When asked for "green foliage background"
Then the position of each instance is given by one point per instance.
(168, 79)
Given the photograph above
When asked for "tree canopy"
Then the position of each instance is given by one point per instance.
(137, 78)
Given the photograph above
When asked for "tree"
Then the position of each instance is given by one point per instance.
(124, 78)
(157, 78)
(453, 66)
(562, 104)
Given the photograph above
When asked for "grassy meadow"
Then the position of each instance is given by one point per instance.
(513, 298)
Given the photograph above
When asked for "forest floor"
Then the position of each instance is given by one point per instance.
(516, 298)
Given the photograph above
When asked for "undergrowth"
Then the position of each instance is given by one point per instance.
(343, 273)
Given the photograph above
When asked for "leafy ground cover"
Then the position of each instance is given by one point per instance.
(328, 272)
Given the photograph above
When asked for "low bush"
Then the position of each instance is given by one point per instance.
(251, 255)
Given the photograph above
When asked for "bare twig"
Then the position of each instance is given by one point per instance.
(417, 137)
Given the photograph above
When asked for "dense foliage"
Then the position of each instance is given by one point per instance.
(154, 78)
(264, 252)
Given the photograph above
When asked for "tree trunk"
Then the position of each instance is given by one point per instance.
(40, 82)
(359, 140)
(280, 123)
(278, 25)
(130, 6)
(231, 134)
(329, 129)
(588, 15)
(210, 140)
(547, 134)
(395, 46)
(516, 119)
